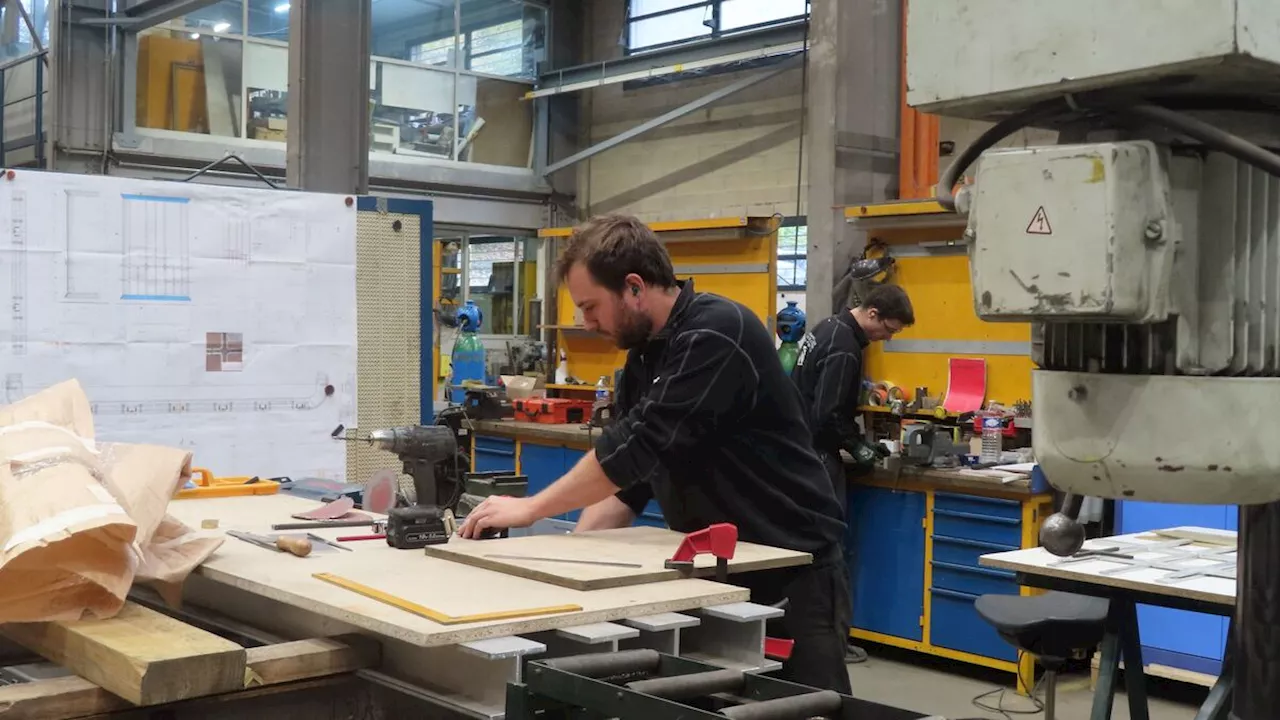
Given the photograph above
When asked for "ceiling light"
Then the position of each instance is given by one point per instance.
(195, 36)
(221, 26)
(282, 8)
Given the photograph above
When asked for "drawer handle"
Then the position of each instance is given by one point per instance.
(989, 572)
(979, 499)
(953, 594)
(975, 516)
(491, 451)
(981, 545)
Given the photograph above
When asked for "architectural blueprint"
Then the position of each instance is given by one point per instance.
(218, 320)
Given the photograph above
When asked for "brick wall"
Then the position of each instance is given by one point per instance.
(735, 157)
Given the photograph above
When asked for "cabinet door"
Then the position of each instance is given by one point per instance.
(493, 453)
(886, 560)
(542, 464)
(568, 459)
(1183, 639)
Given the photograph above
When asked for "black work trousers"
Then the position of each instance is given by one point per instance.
(818, 612)
(838, 475)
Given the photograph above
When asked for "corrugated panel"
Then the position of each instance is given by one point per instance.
(388, 334)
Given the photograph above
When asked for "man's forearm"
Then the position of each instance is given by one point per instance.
(584, 485)
(608, 514)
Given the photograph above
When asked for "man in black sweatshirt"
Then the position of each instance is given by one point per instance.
(709, 425)
(828, 373)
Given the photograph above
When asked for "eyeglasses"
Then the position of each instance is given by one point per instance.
(892, 330)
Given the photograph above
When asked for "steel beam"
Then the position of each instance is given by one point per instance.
(704, 101)
(771, 42)
(149, 13)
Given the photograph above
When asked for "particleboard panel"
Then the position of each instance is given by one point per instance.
(388, 333)
(142, 656)
(648, 547)
(448, 587)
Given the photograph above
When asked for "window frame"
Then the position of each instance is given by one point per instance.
(793, 222)
(716, 20)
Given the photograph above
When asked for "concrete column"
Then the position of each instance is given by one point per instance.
(328, 134)
(855, 59)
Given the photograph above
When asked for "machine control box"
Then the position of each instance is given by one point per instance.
(1071, 232)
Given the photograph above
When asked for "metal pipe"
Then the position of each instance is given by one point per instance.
(796, 707)
(693, 685)
(596, 665)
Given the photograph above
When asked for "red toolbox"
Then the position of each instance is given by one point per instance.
(553, 411)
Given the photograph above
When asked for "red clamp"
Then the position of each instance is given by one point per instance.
(718, 540)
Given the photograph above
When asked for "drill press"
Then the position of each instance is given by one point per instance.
(427, 521)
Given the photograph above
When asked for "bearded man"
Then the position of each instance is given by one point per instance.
(708, 424)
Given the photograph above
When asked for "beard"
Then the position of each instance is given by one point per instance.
(634, 329)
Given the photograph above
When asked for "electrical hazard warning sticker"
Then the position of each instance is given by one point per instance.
(1039, 224)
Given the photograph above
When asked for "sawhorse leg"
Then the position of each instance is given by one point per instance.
(1218, 702)
(1121, 642)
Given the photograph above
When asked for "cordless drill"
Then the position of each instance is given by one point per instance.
(420, 448)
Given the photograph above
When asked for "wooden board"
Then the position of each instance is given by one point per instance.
(142, 656)
(647, 547)
(74, 697)
(448, 587)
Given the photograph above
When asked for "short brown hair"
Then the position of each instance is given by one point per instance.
(891, 303)
(615, 246)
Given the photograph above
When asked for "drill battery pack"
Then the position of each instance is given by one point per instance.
(413, 528)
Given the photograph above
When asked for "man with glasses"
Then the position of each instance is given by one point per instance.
(828, 373)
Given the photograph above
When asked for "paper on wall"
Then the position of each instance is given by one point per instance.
(213, 320)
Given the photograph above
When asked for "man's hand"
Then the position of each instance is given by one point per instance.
(498, 512)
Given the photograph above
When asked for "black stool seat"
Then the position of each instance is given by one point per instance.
(1054, 625)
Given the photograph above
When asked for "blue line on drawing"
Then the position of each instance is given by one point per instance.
(159, 298)
(155, 198)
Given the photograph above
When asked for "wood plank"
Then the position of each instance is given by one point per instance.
(141, 655)
(647, 547)
(75, 697)
(239, 573)
(1195, 536)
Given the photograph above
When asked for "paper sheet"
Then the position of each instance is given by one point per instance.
(219, 321)
(966, 385)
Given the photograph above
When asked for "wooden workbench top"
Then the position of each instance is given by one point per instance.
(534, 432)
(448, 587)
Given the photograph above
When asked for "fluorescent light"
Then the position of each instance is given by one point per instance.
(282, 8)
(221, 26)
(195, 36)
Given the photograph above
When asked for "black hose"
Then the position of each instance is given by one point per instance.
(1037, 113)
(1214, 137)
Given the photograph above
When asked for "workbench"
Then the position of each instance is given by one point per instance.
(913, 548)
(1126, 586)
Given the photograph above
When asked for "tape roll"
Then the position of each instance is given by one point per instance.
(878, 395)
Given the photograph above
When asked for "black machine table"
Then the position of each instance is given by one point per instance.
(648, 685)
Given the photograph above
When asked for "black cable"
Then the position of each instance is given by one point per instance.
(1214, 137)
(999, 707)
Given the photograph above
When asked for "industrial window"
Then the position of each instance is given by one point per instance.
(793, 245)
(494, 50)
(654, 24)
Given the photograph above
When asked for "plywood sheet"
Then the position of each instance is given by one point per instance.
(647, 547)
(449, 587)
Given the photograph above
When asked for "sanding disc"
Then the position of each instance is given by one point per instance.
(380, 492)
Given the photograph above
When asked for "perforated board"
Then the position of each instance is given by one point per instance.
(388, 333)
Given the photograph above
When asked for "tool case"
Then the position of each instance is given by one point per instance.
(553, 411)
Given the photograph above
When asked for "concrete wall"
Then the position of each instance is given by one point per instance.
(963, 132)
(736, 157)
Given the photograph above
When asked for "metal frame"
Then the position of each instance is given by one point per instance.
(425, 212)
(549, 688)
(774, 41)
(702, 102)
(37, 139)
(149, 13)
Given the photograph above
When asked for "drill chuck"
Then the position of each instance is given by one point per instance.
(429, 443)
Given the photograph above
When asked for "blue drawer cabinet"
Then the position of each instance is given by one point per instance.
(1178, 638)
(886, 547)
(955, 624)
(493, 453)
(571, 458)
(543, 464)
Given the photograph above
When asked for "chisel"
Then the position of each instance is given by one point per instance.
(283, 543)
